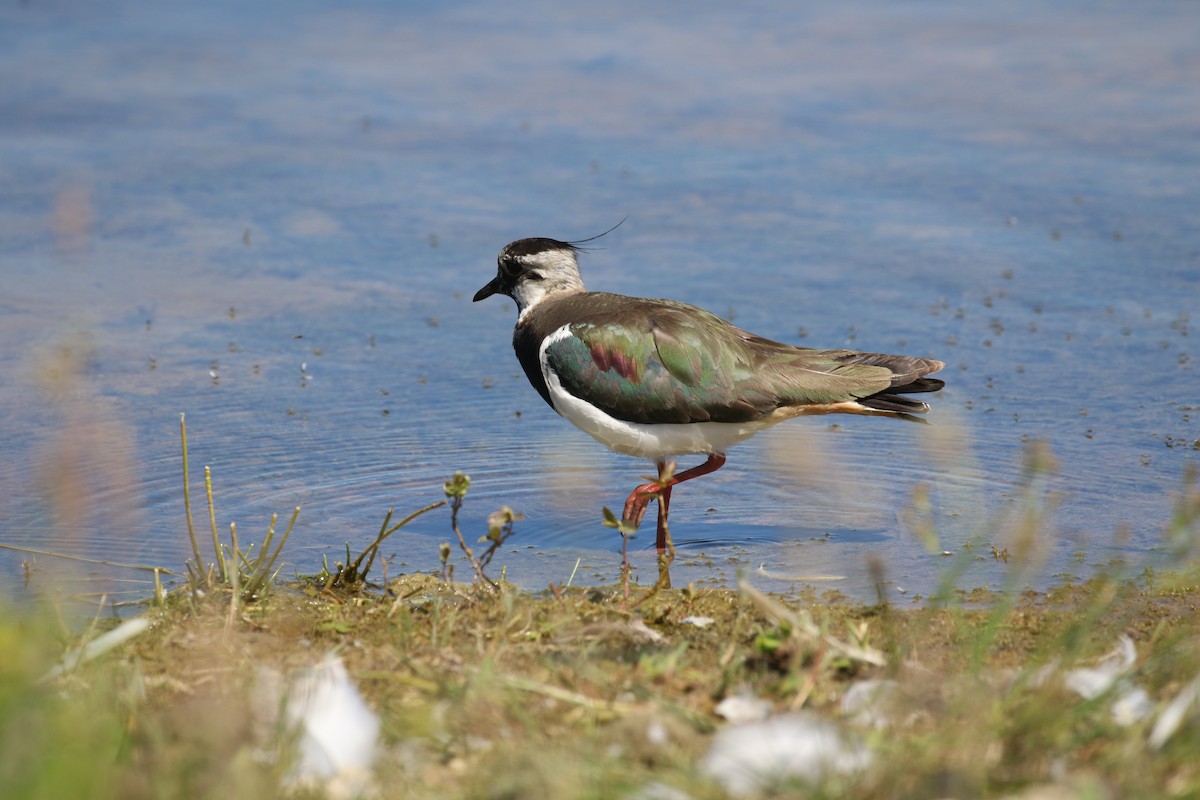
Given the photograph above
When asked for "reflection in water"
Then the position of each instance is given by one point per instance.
(801, 455)
(72, 218)
(88, 500)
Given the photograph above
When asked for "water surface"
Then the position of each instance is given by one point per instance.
(273, 218)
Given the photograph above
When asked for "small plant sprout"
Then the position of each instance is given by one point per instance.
(627, 530)
(456, 488)
(500, 528)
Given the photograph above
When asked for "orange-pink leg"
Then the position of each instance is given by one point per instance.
(639, 498)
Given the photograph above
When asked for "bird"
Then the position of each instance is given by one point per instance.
(659, 379)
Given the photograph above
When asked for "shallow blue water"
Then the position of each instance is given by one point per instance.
(273, 218)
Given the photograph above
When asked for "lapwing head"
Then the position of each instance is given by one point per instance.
(528, 270)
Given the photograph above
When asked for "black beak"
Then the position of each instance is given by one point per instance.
(490, 289)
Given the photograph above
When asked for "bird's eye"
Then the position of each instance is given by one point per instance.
(510, 268)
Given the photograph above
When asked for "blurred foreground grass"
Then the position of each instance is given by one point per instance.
(505, 694)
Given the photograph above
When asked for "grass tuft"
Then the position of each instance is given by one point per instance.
(247, 575)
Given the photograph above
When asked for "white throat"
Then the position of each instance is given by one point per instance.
(528, 294)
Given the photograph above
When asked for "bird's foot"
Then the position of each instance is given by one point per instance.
(657, 489)
(639, 498)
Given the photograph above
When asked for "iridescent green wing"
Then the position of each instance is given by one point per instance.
(672, 363)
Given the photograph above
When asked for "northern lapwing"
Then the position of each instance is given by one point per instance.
(659, 378)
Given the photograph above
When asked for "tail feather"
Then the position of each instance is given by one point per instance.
(908, 377)
(895, 404)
